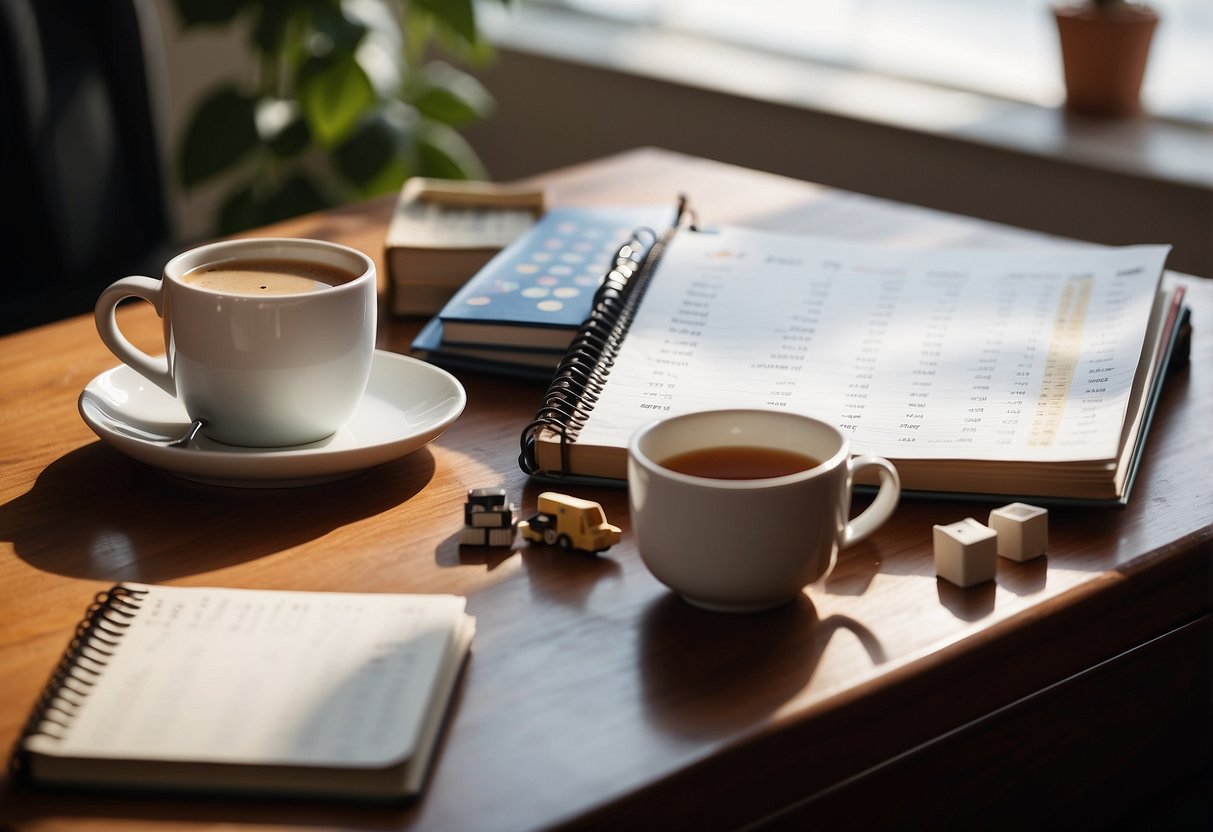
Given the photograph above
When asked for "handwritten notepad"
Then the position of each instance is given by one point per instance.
(252, 690)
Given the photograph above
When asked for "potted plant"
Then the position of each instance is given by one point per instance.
(1104, 48)
(348, 102)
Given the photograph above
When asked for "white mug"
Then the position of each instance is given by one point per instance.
(741, 545)
(261, 370)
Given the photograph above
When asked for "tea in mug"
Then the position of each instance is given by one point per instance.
(737, 462)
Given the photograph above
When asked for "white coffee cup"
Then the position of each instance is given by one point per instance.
(741, 545)
(262, 370)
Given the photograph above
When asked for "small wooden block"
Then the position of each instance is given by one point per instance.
(1023, 531)
(486, 537)
(966, 552)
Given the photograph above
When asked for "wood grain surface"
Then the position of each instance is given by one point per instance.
(594, 698)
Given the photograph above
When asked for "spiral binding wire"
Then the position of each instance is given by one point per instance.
(582, 374)
(92, 645)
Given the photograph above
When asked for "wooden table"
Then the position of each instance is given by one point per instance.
(594, 698)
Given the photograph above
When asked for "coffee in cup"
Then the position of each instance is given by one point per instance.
(266, 277)
(268, 341)
(739, 510)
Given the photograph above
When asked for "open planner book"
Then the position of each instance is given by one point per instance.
(311, 694)
(1025, 372)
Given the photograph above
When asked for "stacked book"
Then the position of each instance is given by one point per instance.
(518, 314)
(442, 232)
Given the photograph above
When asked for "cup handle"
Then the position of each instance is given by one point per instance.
(880, 509)
(154, 369)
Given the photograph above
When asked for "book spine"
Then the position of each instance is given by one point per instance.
(96, 638)
(581, 374)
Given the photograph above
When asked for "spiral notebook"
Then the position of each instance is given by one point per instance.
(316, 694)
(518, 315)
(538, 290)
(1012, 372)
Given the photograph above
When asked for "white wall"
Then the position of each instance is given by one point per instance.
(192, 63)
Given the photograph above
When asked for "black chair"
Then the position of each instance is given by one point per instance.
(79, 157)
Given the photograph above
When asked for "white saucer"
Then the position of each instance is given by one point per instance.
(408, 403)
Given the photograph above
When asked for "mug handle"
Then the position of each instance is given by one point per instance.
(154, 369)
(881, 507)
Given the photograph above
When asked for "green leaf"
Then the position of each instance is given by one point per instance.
(381, 52)
(456, 15)
(334, 92)
(207, 12)
(221, 132)
(339, 31)
(445, 106)
(271, 25)
(444, 154)
(478, 54)
(377, 158)
(451, 96)
(298, 195)
(291, 138)
(238, 212)
(248, 207)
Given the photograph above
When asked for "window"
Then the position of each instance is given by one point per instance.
(1006, 48)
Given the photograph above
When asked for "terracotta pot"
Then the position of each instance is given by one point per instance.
(1104, 55)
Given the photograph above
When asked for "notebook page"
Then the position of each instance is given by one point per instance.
(918, 353)
(249, 676)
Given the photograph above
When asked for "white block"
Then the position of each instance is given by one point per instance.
(492, 519)
(501, 537)
(966, 552)
(472, 536)
(1023, 530)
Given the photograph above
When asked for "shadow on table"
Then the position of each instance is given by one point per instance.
(95, 514)
(554, 574)
(567, 577)
(22, 806)
(706, 674)
(967, 603)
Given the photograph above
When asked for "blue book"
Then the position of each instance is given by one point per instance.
(538, 290)
(525, 362)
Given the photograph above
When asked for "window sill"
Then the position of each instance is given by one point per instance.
(1149, 148)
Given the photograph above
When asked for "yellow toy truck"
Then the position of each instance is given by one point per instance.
(570, 523)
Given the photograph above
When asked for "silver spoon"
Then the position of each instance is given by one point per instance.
(142, 433)
(187, 438)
